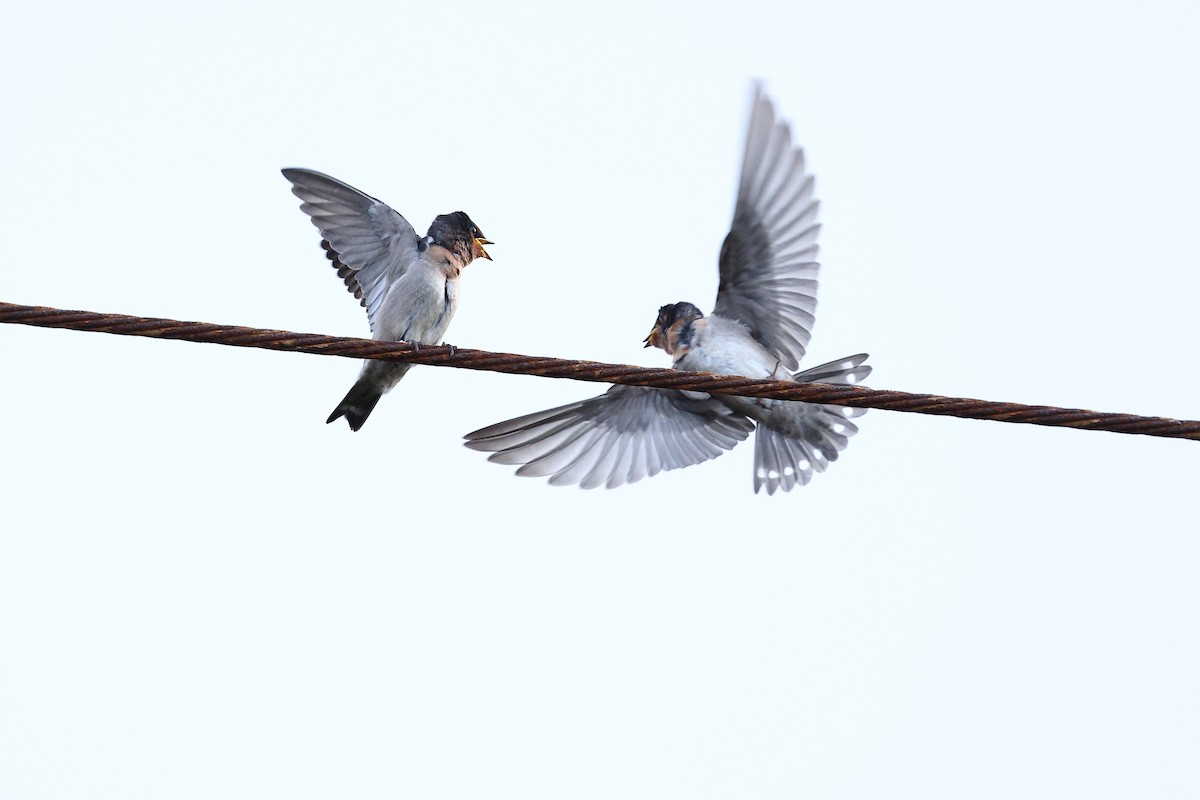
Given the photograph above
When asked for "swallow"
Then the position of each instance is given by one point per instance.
(760, 328)
(408, 284)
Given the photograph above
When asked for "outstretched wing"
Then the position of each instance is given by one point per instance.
(369, 244)
(768, 261)
(622, 436)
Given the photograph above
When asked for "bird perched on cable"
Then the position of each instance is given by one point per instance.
(759, 328)
(407, 283)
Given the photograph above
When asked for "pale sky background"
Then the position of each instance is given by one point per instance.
(206, 592)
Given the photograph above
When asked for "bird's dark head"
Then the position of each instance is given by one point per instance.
(458, 234)
(671, 319)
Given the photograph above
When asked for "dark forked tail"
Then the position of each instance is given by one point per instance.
(356, 406)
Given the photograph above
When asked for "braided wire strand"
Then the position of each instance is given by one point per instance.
(548, 367)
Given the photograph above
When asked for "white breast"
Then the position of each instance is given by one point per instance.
(726, 347)
(419, 306)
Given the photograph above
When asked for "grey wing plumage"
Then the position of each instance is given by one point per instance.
(369, 244)
(768, 260)
(622, 436)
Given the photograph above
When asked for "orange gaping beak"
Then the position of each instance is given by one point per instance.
(655, 337)
(477, 247)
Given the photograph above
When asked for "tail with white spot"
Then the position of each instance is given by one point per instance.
(794, 439)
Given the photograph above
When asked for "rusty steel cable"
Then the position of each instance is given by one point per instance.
(448, 356)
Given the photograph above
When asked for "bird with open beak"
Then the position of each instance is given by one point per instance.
(407, 283)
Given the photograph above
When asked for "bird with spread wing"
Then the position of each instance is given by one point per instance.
(759, 328)
(407, 283)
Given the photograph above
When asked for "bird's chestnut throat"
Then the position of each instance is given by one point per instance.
(683, 335)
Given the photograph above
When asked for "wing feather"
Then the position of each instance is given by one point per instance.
(622, 436)
(768, 260)
(369, 244)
